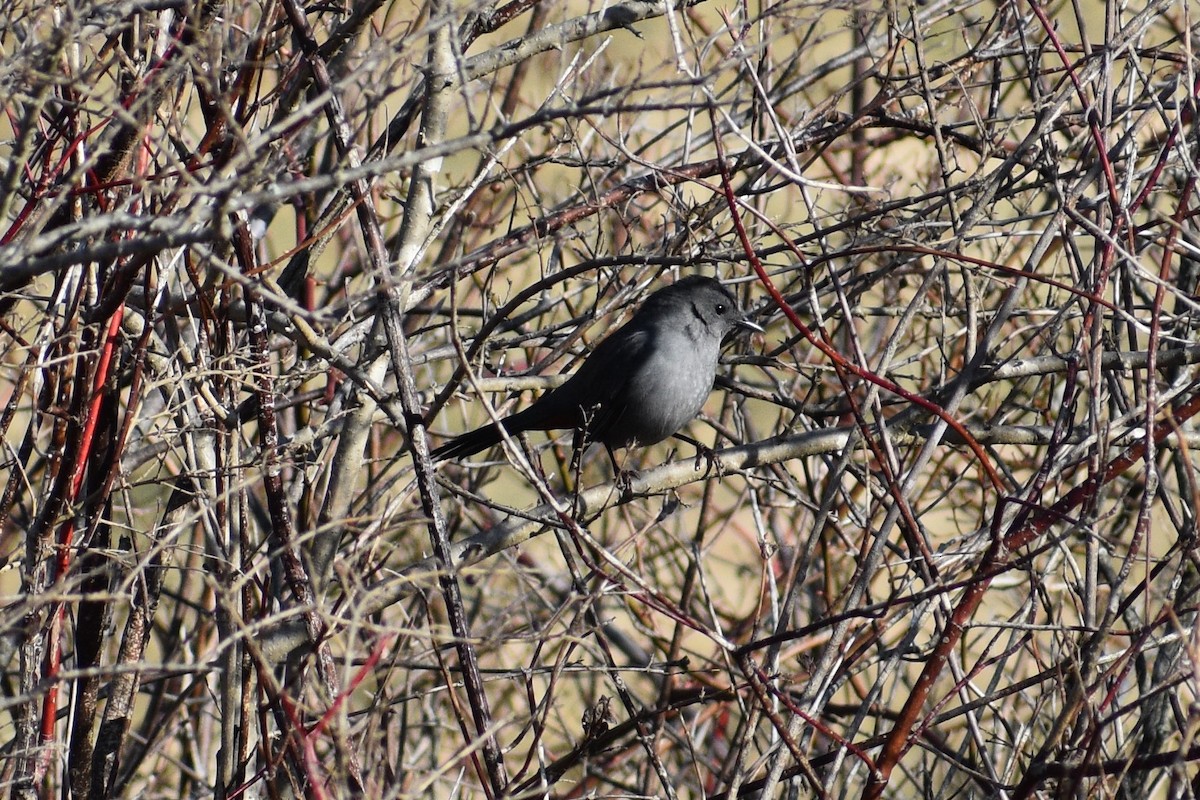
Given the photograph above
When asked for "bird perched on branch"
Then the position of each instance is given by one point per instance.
(642, 383)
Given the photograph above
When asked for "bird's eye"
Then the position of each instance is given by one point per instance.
(720, 308)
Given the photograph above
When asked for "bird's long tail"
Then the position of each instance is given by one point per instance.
(545, 415)
(469, 443)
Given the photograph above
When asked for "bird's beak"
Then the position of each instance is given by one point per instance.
(748, 325)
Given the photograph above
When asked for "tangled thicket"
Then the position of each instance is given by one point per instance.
(257, 257)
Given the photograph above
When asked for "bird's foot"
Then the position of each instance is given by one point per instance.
(624, 479)
(711, 459)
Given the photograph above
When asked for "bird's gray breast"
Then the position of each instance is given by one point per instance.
(668, 388)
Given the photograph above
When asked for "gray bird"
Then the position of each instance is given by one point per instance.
(642, 383)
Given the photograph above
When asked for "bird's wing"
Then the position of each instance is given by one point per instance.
(599, 387)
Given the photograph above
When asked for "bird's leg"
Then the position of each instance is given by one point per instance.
(622, 478)
(585, 435)
(707, 453)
